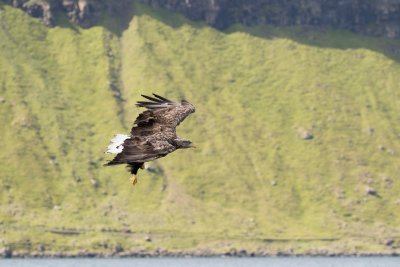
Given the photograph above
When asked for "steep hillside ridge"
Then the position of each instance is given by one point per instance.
(373, 17)
(256, 182)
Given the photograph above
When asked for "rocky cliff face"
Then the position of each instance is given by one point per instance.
(372, 17)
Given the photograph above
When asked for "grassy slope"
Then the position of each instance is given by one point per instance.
(252, 176)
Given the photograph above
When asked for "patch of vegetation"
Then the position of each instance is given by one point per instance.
(254, 181)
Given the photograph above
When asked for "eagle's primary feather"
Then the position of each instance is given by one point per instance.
(154, 132)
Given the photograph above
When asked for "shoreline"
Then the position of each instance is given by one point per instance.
(182, 254)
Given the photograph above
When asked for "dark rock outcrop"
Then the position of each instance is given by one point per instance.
(85, 13)
(39, 9)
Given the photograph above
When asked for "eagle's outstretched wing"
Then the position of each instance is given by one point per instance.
(161, 112)
(154, 130)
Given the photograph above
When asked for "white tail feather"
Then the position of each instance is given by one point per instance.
(116, 145)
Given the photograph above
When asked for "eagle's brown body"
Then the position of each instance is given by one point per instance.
(154, 134)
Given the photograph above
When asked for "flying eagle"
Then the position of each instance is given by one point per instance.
(153, 135)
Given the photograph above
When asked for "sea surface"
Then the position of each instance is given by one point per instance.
(209, 262)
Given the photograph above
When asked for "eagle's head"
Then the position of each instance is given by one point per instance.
(189, 105)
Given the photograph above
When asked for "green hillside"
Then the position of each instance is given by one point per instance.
(253, 182)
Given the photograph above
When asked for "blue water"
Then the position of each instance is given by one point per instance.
(208, 262)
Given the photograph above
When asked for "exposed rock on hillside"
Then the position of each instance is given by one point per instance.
(85, 13)
(38, 9)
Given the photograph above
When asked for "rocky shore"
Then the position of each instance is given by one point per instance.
(6, 253)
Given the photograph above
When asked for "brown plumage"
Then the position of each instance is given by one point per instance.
(153, 135)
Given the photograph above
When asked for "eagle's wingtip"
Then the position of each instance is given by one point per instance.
(162, 98)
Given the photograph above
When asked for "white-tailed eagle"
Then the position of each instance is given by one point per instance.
(153, 135)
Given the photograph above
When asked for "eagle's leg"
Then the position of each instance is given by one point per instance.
(134, 167)
(134, 179)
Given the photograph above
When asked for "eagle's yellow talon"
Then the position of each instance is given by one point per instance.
(134, 179)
